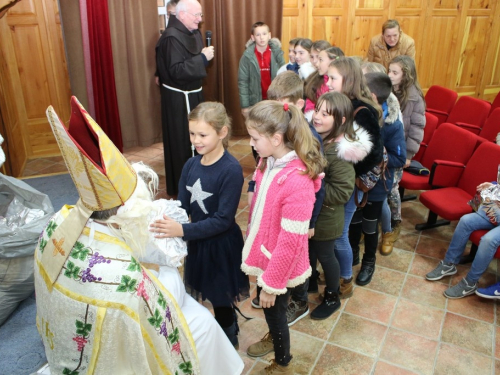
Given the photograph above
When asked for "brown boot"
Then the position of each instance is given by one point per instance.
(276, 369)
(388, 240)
(346, 288)
(261, 348)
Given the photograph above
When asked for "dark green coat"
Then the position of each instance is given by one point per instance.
(339, 185)
(249, 73)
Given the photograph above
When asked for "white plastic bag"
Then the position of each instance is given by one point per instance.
(31, 211)
(16, 283)
(166, 251)
(25, 212)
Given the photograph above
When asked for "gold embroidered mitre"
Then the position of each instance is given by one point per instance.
(103, 177)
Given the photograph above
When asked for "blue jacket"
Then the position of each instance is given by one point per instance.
(393, 137)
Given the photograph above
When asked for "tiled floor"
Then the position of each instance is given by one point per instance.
(398, 324)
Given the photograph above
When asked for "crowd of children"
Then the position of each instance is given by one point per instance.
(330, 143)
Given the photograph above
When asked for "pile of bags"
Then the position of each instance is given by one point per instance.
(24, 212)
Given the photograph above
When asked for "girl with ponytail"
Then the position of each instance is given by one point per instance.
(276, 249)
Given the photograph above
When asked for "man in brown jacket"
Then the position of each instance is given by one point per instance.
(391, 43)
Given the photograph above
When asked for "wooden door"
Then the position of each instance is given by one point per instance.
(6, 169)
(33, 75)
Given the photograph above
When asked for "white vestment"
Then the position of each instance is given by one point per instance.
(216, 353)
(119, 334)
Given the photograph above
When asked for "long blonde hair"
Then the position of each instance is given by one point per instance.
(270, 117)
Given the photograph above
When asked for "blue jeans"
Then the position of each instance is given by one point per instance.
(487, 246)
(385, 218)
(342, 248)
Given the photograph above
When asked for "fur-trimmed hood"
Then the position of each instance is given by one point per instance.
(274, 43)
(368, 120)
(357, 150)
(393, 109)
(306, 69)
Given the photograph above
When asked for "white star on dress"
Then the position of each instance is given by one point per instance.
(198, 195)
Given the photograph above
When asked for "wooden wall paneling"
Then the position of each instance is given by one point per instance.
(438, 42)
(457, 41)
(408, 4)
(444, 4)
(329, 21)
(490, 79)
(369, 15)
(411, 15)
(472, 55)
(482, 4)
(294, 22)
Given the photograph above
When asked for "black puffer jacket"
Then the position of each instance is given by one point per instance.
(368, 120)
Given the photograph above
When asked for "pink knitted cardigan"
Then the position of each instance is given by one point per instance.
(321, 90)
(276, 248)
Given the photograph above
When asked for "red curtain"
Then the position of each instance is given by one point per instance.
(103, 77)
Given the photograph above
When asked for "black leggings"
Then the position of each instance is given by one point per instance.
(365, 221)
(324, 252)
(224, 315)
(278, 326)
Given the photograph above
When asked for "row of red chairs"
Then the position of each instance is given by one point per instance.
(457, 149)
(475, 115)
(459, 161)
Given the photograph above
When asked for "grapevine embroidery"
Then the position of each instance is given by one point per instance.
(49, 229)
(83, 330)
(162, 323)
(82, 252)
(159, 322)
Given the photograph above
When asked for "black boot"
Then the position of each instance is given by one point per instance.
(330, 304)
(355, 256)
(232, 331)
(366, 272)
(232, 334)
(313, 282)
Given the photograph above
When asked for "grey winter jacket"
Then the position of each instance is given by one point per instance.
(414, 122)
(249, 83)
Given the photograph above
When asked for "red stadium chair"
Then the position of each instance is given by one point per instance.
(459, 183)
(431, 123)
(449, 143)
(470, 113)
(496, 103)
(440, 101)
(492, 126)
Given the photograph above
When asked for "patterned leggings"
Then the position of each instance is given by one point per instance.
(394, 198)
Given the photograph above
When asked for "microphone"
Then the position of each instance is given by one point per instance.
(208, 37)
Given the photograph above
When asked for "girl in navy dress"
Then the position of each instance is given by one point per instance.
(209, 190)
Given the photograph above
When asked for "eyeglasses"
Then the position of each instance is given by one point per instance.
(196, 15)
